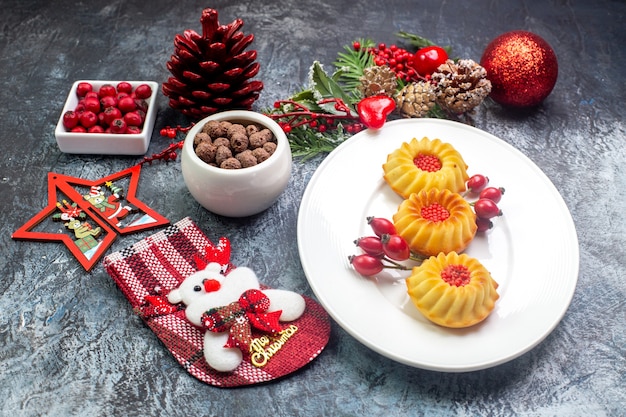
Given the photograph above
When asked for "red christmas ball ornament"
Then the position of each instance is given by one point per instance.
(522, 68)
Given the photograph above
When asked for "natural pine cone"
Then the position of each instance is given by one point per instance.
(416, 99)
(378, 80)
(461, 86)
(211, 72)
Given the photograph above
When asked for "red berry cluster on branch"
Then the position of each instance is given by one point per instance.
(296, 115)
(399, 60)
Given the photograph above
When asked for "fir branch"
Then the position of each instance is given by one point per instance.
(306, 143)
(351, 63)
(420, 42)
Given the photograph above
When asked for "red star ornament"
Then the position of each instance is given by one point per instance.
(91, 236)
(114, 199)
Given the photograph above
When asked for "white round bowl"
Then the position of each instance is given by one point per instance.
(237, 192)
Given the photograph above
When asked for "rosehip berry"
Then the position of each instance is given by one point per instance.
(483, 224)
(107, 90)
(366, 265)
(395, 247)
(88, 119)
(92, 104)
(477, 183)
(381, 226)
(108, 101)
(70, 119)
(118, 126)
(492, 193)
(372, 245)
(83, 88)
(486, 209)
(143, 91)
(124, 87)
(110, 114)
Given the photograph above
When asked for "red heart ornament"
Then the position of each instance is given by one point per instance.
(373, 111)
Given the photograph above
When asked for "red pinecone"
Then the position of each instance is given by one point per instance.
(211, 72)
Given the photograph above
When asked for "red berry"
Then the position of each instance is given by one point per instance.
(133, 118)
(92, 104)
(107, 90)
(372, 245)
(118, 126)
(126, 104)
(133, 130)
(143, 91)
(486, 209)
(78, 129)
(88, 119)
(95, 129)
(124, 87)
(381, 226)
(366, 265)
(92, 94)
(108, 101)
(141, 104)
(427, 59)
(395, 247)
(477, 183)
(83, 88)
(492, 193)
(483, 224)
(110, 114)
(70, 119)
(80, 107)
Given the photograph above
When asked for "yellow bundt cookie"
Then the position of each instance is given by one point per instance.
(452, 290)
(424, 164)
(435, 221)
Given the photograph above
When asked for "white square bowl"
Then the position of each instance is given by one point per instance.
(106, 143)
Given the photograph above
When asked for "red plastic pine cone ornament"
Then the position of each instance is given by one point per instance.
(211, 72)
(522, 68)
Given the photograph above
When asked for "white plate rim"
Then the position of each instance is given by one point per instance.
(351, 300)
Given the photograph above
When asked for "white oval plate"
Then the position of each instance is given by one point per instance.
(532, 251)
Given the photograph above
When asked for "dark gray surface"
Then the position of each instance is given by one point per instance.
(69, 342)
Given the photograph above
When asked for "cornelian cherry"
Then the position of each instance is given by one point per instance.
(124, 87)
(83, 88)
(70, 119)
(143, 91)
